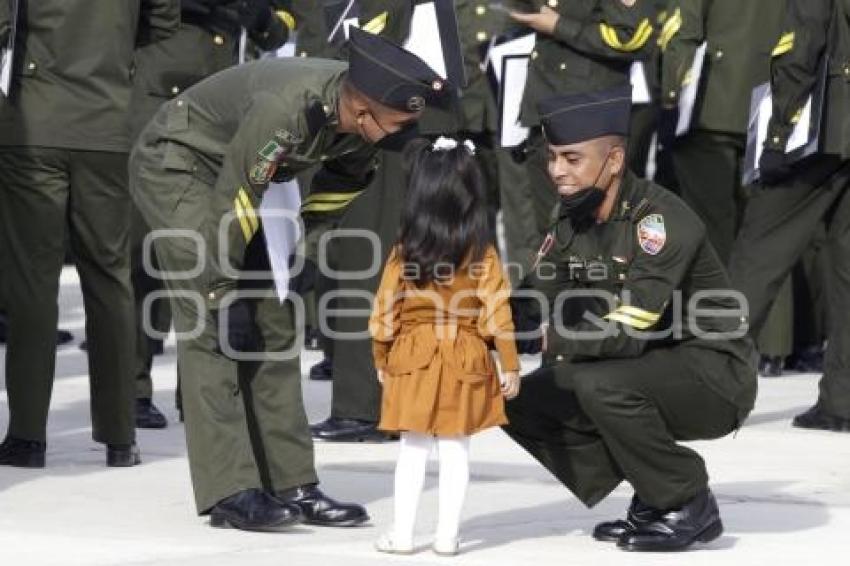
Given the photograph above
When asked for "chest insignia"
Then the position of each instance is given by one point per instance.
(266, 165)
(651, 234)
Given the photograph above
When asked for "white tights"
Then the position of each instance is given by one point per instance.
(453, 453)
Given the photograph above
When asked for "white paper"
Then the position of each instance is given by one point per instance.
(5, 71)
(640, 86)
(520, 46)
(513, 133)
(799, 136)
(688, 97)
(424, 39)
(279, 211)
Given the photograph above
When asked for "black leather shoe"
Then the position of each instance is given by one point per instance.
(22, 453)
(336, 429)
(816, 419)
(122, 455)
(770, 366)
(319, 509)
(806, 360)
(254, 510)
(148, 416)
(638, 514)
(698, 520)
(322, 371)
(63, 337)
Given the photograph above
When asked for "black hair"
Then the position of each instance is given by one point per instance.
(444, 220)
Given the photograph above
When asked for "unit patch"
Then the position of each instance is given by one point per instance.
(266, 165)
(651, 234)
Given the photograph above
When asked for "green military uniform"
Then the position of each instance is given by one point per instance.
(222, 149)
(781, 220)
(609, 408)
(201, 166)
(645, 116)
(706, 163)
(207, 42)
(63, 159)
(594, 44)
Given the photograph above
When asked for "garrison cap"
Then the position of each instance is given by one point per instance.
(573, 118)
(388, 74)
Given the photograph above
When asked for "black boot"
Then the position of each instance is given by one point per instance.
(122, 455)
(22, 453)
(770, 366)
(698, 520)
(319, 509)
(148, 416)
(336, 429)
(817, 419)
(638, 514)
(254, 510)
(322, 371)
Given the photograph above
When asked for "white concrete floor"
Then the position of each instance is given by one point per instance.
(784, 493)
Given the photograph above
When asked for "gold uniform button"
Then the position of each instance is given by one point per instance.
(326, 109)
(776, 140)
(563, 66)
(175, 90)
(847, 70)
(553, 3)
(719, 54)
(534, 55)
(179, 103)
(672, 94)
(302, 54)
(559, 358)
(481, 36)
(323, 158)
(480, 10)
(211, 296)
(218, 40)
(31, 66)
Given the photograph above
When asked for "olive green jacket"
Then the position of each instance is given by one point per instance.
(813, 30)
(203, 45)
(594, 44)
(237, 131)
(71, 87)
(659, 283)
(740, 36)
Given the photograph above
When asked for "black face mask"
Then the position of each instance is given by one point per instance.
(397, 140)
(581, 206)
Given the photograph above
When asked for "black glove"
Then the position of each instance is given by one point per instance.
(255, 15)
(241, 332)
(668, 121)
(773, 167)
(305, 280)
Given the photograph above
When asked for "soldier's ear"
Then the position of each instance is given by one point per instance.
(618, 160)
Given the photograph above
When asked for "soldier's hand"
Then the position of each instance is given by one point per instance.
(255, 15)
(305, 280)
(381, 376)
(510, 384)
(241, 332)
(773, 167)
(543, 21)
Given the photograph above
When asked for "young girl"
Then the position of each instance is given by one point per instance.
(442, 301)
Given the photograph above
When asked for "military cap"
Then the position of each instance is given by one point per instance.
(573, 118)
(388, 74)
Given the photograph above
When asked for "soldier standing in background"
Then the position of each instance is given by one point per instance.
(785, 214)
(64, 164)
(707, 162)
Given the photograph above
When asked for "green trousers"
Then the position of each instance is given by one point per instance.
(245, 421)
(43, 193)
(595, 424)
(778, 227)
(707, 167)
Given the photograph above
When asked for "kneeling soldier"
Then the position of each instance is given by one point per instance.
(647, 345)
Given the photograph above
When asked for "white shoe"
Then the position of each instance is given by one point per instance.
(387, 543)
(446, 546)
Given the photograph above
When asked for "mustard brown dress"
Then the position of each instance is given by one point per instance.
(432, 345)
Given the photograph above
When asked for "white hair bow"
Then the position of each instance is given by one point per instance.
(443, 143)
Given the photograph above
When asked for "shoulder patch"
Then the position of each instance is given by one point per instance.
(652, 235)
